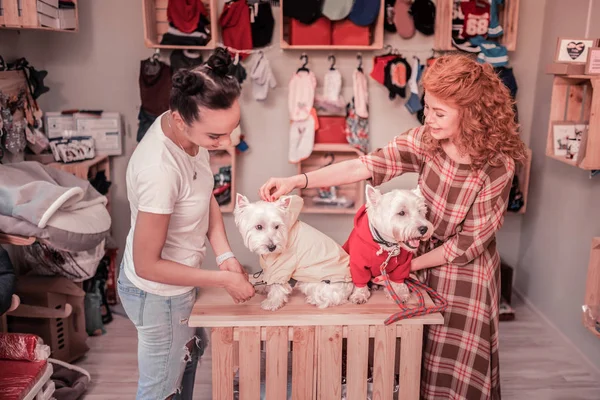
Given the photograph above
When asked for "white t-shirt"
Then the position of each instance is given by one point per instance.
(160, 181)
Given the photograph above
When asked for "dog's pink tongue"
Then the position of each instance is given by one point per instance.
(414, 243)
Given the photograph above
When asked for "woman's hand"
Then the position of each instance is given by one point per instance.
(274, 188)
(233, 265)
(238, 287)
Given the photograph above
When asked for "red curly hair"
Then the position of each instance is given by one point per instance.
(488, 128)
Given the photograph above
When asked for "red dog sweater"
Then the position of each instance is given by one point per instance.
(364, 261)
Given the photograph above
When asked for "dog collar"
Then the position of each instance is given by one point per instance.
(377, 238)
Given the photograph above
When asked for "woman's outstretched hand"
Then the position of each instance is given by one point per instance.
(274, 188)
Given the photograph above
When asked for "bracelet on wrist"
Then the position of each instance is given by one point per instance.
(225, 256)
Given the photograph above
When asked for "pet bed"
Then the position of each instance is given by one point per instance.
(55, 206)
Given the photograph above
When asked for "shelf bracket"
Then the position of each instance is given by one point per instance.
(594, 172)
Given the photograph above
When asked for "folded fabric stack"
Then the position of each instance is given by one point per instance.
(475, 25)
(189, 24)
(246, 25)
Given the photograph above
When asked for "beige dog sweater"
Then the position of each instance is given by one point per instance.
(311, 256)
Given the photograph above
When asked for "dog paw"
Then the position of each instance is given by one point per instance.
(401, 290)
(261, 289)
(271, 305)
(360, 295)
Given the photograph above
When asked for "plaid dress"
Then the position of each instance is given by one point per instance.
(466, 208)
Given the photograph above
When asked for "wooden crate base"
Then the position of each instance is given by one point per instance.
(308, 352)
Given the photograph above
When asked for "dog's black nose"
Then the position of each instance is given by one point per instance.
(271, 247)
(422, 230)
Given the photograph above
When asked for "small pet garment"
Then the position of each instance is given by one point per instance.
(302, 138)
(301, 95)
(262, 78)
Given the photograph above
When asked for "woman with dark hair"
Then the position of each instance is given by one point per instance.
(173, 211)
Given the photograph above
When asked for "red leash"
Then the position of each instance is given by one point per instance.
(440, 304)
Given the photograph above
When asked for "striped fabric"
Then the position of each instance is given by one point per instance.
(466, 208)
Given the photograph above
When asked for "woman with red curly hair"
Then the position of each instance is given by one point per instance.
(465, 156)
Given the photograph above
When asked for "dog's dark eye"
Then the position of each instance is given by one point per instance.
(401, 213)
(259, 227)
(276, 226)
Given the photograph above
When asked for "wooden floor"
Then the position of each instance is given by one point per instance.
(535, 363)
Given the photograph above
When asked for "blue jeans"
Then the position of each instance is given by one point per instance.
(168, 349)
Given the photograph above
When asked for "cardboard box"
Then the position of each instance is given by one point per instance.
(48, 21)
(67, 18)
(47, 9)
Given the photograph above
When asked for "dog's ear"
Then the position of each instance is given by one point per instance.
(284, 202)
(241, 201)
(417, 191)
(373, 195)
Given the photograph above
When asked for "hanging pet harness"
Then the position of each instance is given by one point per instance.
(440, 304)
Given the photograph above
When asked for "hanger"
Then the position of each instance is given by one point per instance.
(303, 67)
(359, 58)
(154, 58)
(389, 49)
(332, 67)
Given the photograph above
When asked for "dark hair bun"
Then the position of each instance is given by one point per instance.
(188, 82)
(219, 62)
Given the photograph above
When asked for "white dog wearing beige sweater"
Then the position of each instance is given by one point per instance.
(291, 249)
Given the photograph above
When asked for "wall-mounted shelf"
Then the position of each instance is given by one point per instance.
(576, 101)
(509, 20)
(592, 284)
(523, 173)
(376, 33)
(320, 157)
(38, 14)
(225, 158)
(156, 25)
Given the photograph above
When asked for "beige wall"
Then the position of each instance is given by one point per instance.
(563, 213)
(97, 68)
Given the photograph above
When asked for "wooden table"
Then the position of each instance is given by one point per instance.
(317, 338)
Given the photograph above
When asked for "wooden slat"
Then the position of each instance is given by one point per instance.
(443, 25)
(575, 105)
(11, 13)
(357, 362)
(510, 23)
(558, 104)
(383, 362)
(410, 362)
(215, 308)
(149, 20)
(329, 379)
(29, 18)
(249, 363)
(592, 153)
(161, 28)
(222, 363)
(277, 362)
(303, 355)
(161, 15)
